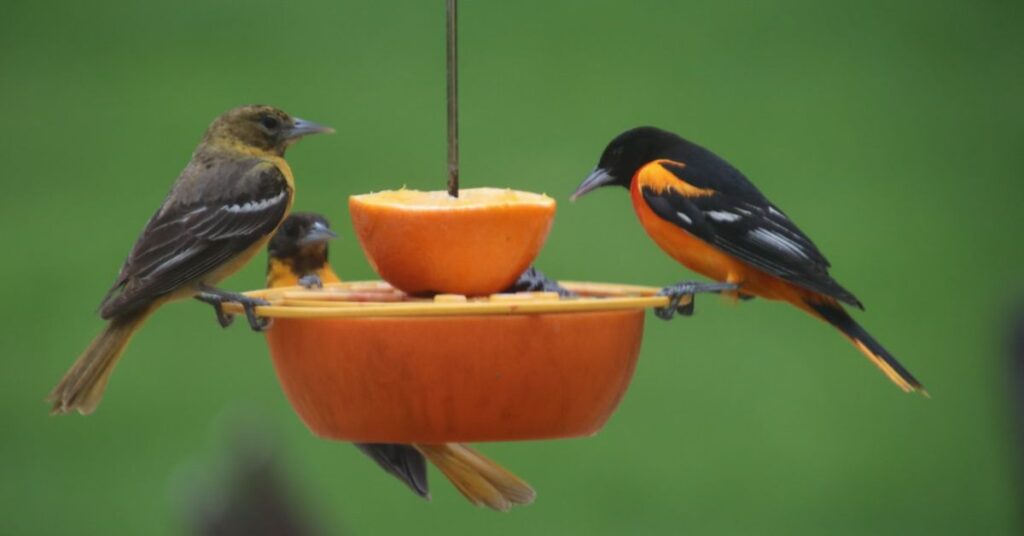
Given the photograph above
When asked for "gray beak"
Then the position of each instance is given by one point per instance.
(597, 178)
(318, 233)
(305, 128)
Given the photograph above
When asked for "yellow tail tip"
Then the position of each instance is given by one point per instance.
(480, 480)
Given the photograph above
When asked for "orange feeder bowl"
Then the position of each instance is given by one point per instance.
(364, 362)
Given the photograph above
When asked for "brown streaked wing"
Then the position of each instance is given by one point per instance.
(230, 206)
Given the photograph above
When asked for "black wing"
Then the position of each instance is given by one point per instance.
(750, 228)
(211, 215)
(404, 462)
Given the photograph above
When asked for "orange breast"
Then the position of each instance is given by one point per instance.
(327, 274)
(280, 274)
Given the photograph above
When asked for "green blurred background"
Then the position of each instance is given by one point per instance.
(890, 131)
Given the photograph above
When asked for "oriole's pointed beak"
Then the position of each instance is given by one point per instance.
(305, 128)
(318, 233)
(597, 178)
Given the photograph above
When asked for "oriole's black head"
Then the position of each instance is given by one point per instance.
(626, 154)
(263, 128)
(302, 235)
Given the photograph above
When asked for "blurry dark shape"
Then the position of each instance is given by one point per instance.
(252, 498)
(533, 280)
(1016, 365)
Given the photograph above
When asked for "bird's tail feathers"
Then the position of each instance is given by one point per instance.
(482, 481)
(834, 314)
(82, 386)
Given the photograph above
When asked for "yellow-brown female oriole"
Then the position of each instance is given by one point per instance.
(221, 211)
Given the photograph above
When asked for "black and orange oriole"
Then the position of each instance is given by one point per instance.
(709, 217)
(297, 255)
(221, 211)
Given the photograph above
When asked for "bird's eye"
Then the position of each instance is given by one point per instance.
(269, 122)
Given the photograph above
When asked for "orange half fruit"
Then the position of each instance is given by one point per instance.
(429, 242)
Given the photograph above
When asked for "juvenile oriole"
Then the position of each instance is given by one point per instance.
(222, 209)
(297, 255)
(706, 215)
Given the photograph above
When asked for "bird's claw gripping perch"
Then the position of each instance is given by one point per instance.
(533, 280)
(311, 281)
(217, 298)
(224, 319)
(257, 323)
(681, 297)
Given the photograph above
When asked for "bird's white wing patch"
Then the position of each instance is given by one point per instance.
(777, 241)
(256, 206)
(723, 216)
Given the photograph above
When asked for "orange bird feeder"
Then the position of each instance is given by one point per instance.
(369, 363)
(364, 362)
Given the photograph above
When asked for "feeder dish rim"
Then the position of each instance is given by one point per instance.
(360, 299)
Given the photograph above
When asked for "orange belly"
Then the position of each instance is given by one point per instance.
(282, 275)
(707, 260)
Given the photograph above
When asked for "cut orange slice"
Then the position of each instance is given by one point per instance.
(429, 242)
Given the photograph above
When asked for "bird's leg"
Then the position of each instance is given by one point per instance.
(311, 281)
(533, 280)
(217, 298)
(681, 297)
